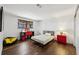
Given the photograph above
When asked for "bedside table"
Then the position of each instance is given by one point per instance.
(61, 39)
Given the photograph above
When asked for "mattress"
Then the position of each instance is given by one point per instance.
(43, 39)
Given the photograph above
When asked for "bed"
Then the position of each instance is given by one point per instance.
(44, 38)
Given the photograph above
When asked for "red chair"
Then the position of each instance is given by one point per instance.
(24, 37)
(61, 39)
(28, 34)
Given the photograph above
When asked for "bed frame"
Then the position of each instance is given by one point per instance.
(51, 32)
(41, 45)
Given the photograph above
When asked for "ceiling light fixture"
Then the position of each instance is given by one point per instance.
(38, 5)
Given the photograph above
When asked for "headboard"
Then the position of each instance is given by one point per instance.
(51, 32)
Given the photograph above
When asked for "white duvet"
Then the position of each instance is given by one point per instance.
(43, 39)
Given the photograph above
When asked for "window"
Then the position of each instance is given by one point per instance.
(25, 24)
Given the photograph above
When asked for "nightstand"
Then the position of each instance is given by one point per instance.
(61, 39)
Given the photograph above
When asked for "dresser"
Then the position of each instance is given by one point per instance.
(62, 39)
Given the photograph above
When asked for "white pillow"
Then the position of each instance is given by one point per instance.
(47, 34)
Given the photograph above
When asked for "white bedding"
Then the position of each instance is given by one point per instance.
(43, 39)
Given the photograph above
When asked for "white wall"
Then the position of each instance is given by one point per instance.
(11, 25)
(77, 34)
(56, 25)
(37, 27)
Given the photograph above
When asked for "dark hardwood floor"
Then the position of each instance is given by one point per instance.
(32, 48)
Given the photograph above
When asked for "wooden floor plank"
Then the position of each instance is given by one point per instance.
(30, 48)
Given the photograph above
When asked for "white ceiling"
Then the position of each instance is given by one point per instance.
(47, 11)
